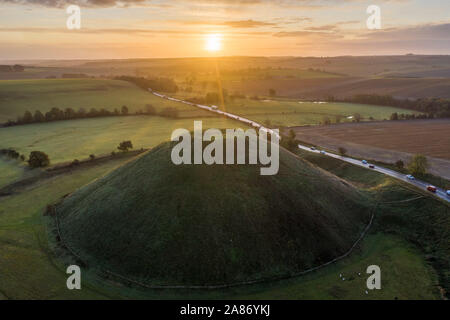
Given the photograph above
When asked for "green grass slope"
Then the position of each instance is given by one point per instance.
(159, 223)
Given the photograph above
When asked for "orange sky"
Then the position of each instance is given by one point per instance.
(32, 29)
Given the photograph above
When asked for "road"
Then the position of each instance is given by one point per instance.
(440, 193)
(400, 176)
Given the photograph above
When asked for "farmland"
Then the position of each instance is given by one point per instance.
(344, 87)
(387, 141)
(284, 113)
(76, 139)
(25, 248)
(10, 170)
(278, 225)
(17, 96)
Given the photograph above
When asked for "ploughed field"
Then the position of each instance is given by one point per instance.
(387, 141)
(429, 137)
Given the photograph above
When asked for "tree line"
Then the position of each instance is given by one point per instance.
(39, 159)
(158, 84)
(56, 114)
(14, 68)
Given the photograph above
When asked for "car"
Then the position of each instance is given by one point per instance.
(322, 152)
(410, 177)
(312, 148)
(364, 161)
(371, 166)
(448, 192)
(431, 188)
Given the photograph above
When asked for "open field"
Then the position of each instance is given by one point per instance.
(359, 66)
(345, 87)
(76, 139)
(404, 76)
(299, 113)
(10, 170)
(25, 248)
(387, 141)
(17, 96)
(312, 211)
(23, 240)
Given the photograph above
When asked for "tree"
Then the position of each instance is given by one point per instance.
(418, 165)
(169, 113)
(38, 117)
(290, 142)
(326, 120)
(27, 117)
(18, 68)
(124, 110)
(399, 164)
(212, 98)
(149, 109)
(394, 116)
(342, 151)
(357, 117)
(272, 92)
(125, 145)
(38, 159)
(92, 156)
(93, 113)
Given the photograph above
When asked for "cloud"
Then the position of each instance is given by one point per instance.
(248, 24)
(81, 3)
(423, 32)
(243, 24)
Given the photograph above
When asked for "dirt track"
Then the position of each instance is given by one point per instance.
(387, 141)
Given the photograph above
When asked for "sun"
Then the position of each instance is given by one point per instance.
(213, 42)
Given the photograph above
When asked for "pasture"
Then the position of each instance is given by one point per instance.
(75, 139)
(17, 96)
(286, 113)
(10, 170)
(26, 248)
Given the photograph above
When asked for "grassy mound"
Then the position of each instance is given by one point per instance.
(159, 223)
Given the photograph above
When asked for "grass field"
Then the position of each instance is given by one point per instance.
(298, 113)
(10, 170)
(29, 270)
(17, 96)
(234, 224)
(344, 87)
(68, 140)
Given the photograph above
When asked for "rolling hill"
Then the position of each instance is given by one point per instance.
(158, 223)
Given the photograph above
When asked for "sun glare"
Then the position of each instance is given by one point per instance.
(213, 42)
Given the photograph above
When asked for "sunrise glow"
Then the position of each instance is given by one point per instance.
(213, 42)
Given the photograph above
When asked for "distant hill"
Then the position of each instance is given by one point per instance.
(159, 223)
